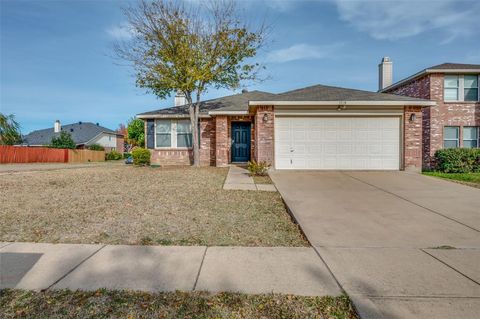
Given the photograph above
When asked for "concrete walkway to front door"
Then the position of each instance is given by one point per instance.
(402, 245)
(239, 179)
(254, 270)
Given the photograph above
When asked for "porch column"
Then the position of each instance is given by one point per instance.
(221, 140)
(412, 138)
(264, 131)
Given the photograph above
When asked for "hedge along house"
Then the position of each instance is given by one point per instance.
(317, 127)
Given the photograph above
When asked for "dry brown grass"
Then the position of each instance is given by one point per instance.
(140, 205)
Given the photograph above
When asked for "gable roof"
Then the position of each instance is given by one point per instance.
(81, 133)
(440, 68)
(239, 103)
(236, 102)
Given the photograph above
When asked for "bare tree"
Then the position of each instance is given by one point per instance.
(189, 48)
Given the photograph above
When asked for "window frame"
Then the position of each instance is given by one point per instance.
(173, 135)
(477, 139)
(451, 139)
(460, 88)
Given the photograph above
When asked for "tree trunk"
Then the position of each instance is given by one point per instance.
(194, 111)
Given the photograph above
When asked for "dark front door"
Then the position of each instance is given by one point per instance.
(240, 141)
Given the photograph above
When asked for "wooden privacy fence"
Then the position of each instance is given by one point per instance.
(24, 154)
(83, 156)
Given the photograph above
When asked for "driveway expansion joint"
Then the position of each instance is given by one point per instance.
(451, 267)
(411, 202)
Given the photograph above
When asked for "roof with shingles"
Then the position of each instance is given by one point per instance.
(455, 66)
(236, 102)
(332, 93)
(81, 133)
(239, 102)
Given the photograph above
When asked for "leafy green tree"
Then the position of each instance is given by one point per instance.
(136, 132)
(9, 130)
(64, 140)
(190, 47)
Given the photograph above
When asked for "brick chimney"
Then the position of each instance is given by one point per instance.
(385, 73)
(57, 127)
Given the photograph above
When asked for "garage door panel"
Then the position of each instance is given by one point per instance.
(337, 143)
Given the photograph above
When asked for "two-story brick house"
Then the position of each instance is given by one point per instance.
(455, 119)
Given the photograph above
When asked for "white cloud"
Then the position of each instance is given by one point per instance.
(396, 19)
(120, 32)
(302, 51)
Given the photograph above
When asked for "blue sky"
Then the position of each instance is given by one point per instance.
(55, 55)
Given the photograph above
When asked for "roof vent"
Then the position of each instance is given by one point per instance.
(71, 130)
(97, 124)
(80, 122)
(244, 91)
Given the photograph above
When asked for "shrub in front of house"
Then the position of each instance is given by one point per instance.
(113, 156)
(141, 156)
(126, 155)
(96, 147)
(258, 169)
(458, 160)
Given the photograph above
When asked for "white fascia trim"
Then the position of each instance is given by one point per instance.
(228, 113)
(338, 114)
(334, 103)
(169, 116)
(428, 71)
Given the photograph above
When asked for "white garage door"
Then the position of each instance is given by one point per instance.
(337, 143)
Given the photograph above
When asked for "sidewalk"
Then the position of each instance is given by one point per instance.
(239, 179)
(254, 270)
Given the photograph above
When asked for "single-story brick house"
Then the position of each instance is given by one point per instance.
(454, 121)
(317, 127)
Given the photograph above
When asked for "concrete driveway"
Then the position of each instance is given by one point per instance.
(380, 233)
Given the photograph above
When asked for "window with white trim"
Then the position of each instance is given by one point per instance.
(461, 88)
(173, 133)
(471, 136)
(451, 136)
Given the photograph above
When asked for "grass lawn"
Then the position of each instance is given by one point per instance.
(126, 304)
(262, 179)
(120, 204)
(472, 179)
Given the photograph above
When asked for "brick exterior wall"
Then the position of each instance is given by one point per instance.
(222, 142)
(435, 118)
(174, 156)
(120, 144)
(412, 138)
(264, 135)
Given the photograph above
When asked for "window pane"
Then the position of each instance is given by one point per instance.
(164, 140)
(163, 126)
(451, 94)
(450, 133)
(470, 144)
(451, 81)
(184, 126)
(184, 140)
(450, 144)
(471, 95)
(470, 81)
(470, 133)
